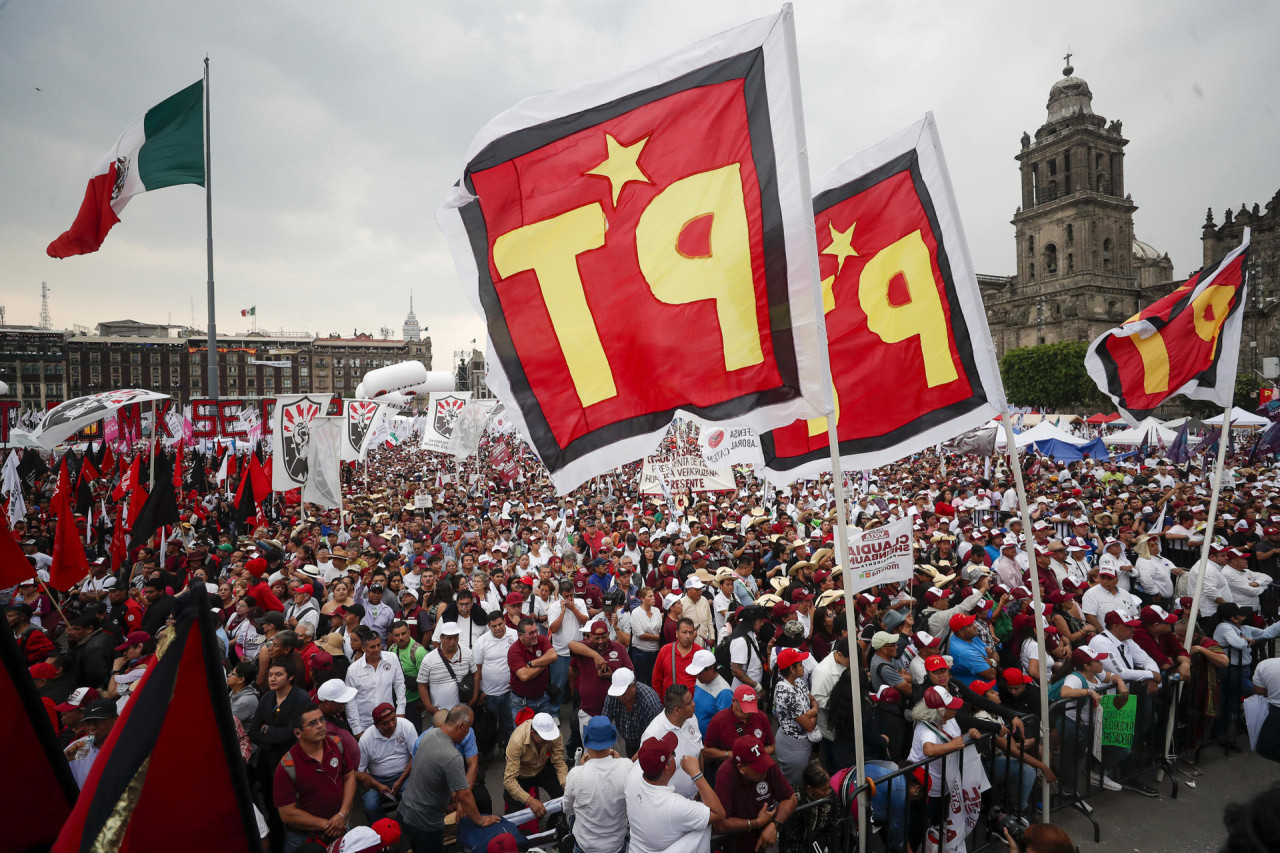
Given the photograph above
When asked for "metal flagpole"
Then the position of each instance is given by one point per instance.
(151, 475)
(1203, 566)
(208, 218)
(1012, 449)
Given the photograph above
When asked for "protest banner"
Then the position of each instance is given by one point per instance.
(881, 555)
(1117, 723)
(681, 473)
(729, 445)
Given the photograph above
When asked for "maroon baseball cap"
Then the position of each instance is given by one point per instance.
(1115, 617)
(940, 697)
(1154, 613)
(655, 752)
(749, 752)
(134, 638)
(513, 598)
(383, 711)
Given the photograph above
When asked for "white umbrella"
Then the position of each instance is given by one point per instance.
(65, 420)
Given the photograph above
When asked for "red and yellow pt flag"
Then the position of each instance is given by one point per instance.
(643, 245)
(1187, 343)
(911, 356)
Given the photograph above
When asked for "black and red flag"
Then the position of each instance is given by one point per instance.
(160, 508)
(912, 362)
(643, 245)
(1186, 343)
(170, 775)
(31, 761)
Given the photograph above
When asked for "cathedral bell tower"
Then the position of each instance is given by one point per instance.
(1074, 230)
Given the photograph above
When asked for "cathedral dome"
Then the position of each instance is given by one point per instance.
(1145, 251)
(1069, 97)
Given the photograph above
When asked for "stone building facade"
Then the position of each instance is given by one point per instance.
(1260, 338)
(1080, 270)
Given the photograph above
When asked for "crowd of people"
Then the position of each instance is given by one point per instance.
(663, 670)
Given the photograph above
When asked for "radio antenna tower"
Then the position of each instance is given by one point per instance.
(46, 322)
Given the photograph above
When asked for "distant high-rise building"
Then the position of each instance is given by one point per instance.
(412, 331)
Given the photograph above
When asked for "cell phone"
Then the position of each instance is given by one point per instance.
(773, 807)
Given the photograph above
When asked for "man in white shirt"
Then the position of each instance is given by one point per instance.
(1114, 558)
(593, 789)
(442, 672)
(1244, 586)
(468, 630)
(494, 672)
(302, 608)
(823, 681)
(678, 717)
(1214, 593)
(565, 617)
(386, 757)
(1106, 596)
(376, 678)
(1156, 574)
(696, 606)
(661, 820)
(1126, 658)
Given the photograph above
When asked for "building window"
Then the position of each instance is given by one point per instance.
(95, 358)
(115, 358)
(135, 358)
(1071, 234)
(1050, 259)
(302, 371)
(251, 384)
(1053, 167)
(1071, 262)
(1032, 274)
(1053, 190)
(155, 377)
(135, 376)
(95, 375)
(75, 358)
(286, 383)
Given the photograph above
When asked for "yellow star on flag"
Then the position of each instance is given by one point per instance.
(621, 166)
(841, 246)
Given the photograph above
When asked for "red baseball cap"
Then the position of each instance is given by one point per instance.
(746, 699)
(81, 697)
(940, 697)
(513, 598)
(961, 620)
(1085, 655)
(982, 687)
(1154, 613)
(44, 669)
(788, 658)
(1015, 676)
(933, 663)
(380, 713)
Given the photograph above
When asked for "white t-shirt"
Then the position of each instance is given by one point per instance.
(1267, 676)
(570, 627)
(924, 734)
(491, 657)
(690, 743)
(662, 821)
(642, 624)
(386, 757)
(591, 795)
(746, 655)
(435, 675)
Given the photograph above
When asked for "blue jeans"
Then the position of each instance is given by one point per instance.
(519, 703)
(373, 800)
(293, 840)
(890, 802)
(500, 707)
(1005, 774)
(560, 678)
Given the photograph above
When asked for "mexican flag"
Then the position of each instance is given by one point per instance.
(161, 148)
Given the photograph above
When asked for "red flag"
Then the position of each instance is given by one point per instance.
(261, 479)
(88, 473)
(912, 362)
(108, 461)
(14, 567)
(130, 475)
(137, 499)
(119, 546)
(30, 756)
(643, 244)
(177, 468)
(1186, 343)
(179, 718)
(70, 565)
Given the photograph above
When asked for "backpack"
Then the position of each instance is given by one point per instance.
(286, 763)
(724, 657)
(1055, 688)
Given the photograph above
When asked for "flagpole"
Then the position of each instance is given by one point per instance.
(208, 219)
(151, 474)
(1012, 449)
(1203, 566)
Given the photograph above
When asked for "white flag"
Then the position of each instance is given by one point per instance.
(323, 485)
(729, 445)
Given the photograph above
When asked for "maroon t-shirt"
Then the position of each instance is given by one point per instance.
(518, 657)
(592, 686)
(724, 729)
(317, 785)
(743, 798)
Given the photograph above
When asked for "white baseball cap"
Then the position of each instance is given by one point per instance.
(701, 660)
(450, 628)
(694, 582)
(622, 679)
(544, 725)
(335, 690)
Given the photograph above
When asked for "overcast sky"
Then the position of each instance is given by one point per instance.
(337, 128)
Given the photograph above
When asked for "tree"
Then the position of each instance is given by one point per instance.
(1050, 377)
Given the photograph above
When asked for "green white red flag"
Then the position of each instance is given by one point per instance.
(161, 148)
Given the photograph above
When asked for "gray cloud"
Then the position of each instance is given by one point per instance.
(339, 126)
